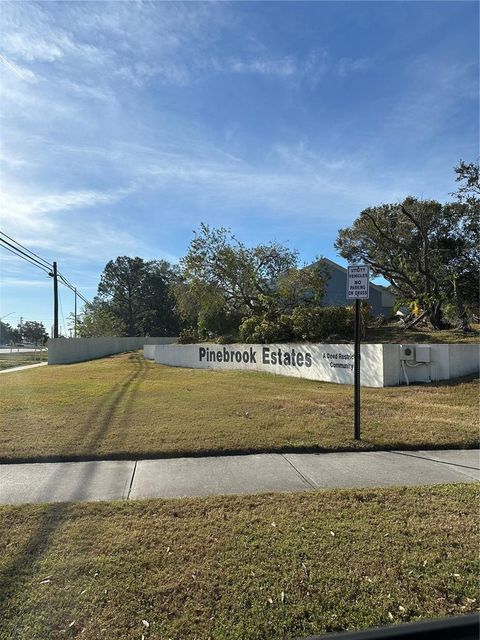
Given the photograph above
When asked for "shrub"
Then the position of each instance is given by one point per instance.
(230, 338)
(259, 329)
(317, 323)
(188, 336)
(366, 317)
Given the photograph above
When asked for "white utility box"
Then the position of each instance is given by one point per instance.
(422, 353)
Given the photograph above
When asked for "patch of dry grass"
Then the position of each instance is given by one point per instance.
(20, 359)
(391, 332)
(230, 568)
(125, 406)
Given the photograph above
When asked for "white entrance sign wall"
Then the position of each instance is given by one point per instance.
(447, 362)
(381, 364)
(149, 351)
(328, 362)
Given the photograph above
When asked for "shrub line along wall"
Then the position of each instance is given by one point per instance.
(381, 364)
(69, 350)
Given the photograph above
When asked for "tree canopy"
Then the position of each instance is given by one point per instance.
(134, 298)
(428, 251)
(223, 280)
(8, 333)
(34, 331)
(468, 175)
(97, 321)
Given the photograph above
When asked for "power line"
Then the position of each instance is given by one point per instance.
(48, 264)
(51, 270)
(35, 264)
(21, 253)
(72, 288)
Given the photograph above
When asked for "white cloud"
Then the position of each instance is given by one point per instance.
(9, 281)
(168, 72)
(22, 207)
(29, 49)
(347, 66)
(434, 93)
(283, 67)
(21, 72)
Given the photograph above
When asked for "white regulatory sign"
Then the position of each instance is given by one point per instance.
(358, 280)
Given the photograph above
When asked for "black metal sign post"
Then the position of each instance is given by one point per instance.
(358, 280)
(356, 371)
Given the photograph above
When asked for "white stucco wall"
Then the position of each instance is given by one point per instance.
(380, 363)
(464, 359)
(149, 351)
(327, 362)
(68, 350)
(448, 361)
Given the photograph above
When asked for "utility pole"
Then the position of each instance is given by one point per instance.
(55, 300)
(75, 326)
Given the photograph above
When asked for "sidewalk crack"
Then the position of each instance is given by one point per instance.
(131, 480)
(305, 478)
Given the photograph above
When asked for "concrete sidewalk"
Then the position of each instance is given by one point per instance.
(179, 477)
(22, 368)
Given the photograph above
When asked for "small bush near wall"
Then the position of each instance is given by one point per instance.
(311, 324)
(259, 329)
(317, 323)
(188, 336)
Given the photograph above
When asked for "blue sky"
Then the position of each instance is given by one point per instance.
(126, 124)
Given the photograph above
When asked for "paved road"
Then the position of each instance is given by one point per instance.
(169, 478)
(21, 350)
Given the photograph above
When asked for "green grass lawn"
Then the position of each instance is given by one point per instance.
(236, 568)
(124, 406)
(19, 359)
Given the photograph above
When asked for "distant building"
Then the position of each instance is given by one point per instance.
(381, 299)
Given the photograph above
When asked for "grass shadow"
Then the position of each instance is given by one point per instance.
(13, 577)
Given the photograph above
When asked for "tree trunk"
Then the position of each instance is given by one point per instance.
(463, 323)
(418, 319)
(435, 315)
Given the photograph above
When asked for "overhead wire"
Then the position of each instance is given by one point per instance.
(33, 258)
(19, 250)
(35, 264)
(48, 264)
(21, 253)
(72, 288)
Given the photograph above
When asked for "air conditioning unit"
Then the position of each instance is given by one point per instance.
(407, 352)
(422, 353)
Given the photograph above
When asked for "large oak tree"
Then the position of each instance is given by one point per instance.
(223, 280)
(428, 251)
